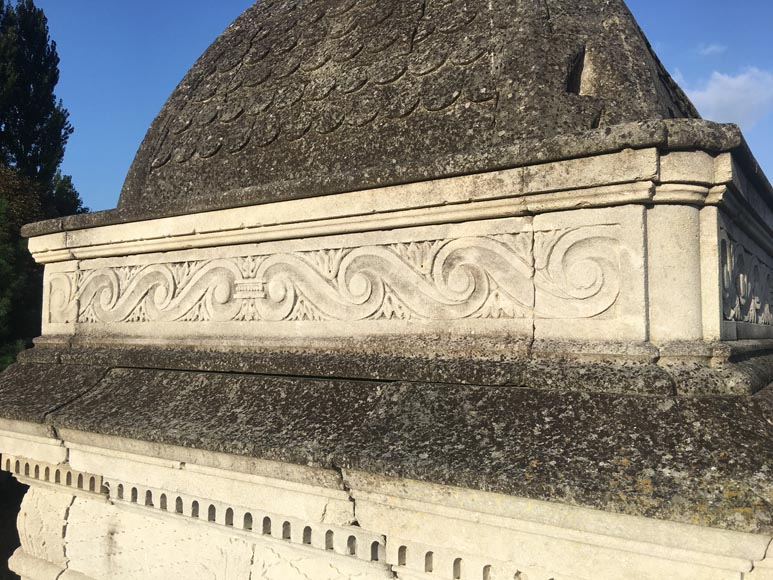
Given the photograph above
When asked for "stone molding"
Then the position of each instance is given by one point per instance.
(461, 534)
(645, 176)
(490, 253)
(410, 559)
(513, 276)
(620, 178)
(515, 192)
(51, 474)
(484, 277)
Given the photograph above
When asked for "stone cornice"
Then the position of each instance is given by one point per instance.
(642, 176)
(668, 136)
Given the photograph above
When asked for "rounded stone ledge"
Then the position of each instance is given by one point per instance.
(676, 134)
(382, 505)
(31, 568)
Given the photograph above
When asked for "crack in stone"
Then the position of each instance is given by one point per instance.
(533, 255)
(69, 402)
(345, 487)
(64, 538)
(764, 556)
(252, 560)
(289, 562)
(548, 15)
(55, 435)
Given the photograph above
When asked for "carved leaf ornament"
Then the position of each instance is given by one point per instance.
(570, 273)
(746, 284)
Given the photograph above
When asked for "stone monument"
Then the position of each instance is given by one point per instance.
(416, 289)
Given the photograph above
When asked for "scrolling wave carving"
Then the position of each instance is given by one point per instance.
(567, 273)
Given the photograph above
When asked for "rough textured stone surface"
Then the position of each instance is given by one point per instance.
(303, 99)
(670, 134)
(702, 461)
(355, 363)
(341, 93)
(362, 368)
(29, 392)
(608, 372)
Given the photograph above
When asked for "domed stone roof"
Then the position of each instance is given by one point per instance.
(306, 97)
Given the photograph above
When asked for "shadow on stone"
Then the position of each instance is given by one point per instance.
(11, 494)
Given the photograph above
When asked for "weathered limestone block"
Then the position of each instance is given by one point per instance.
(43, 522)
(500, 276)
(590, 274)
(403, 529)
(451, 290)
(135, 546)
(523, 277)
(674, 267)
(746, 270)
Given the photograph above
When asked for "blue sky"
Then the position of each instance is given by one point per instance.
(120, 60)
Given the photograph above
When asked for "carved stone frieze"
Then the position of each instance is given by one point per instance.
(575, 271)
(747, 292)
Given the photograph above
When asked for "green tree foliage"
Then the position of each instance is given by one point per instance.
(35, 126)
(10, 284)
(21, 280)
(34, 130)
(63, 198)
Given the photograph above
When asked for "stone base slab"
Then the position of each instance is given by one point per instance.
(162, 519)
(687, 368)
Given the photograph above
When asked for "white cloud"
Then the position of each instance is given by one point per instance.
(745, 99)
(680, 79)
(710, 49)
